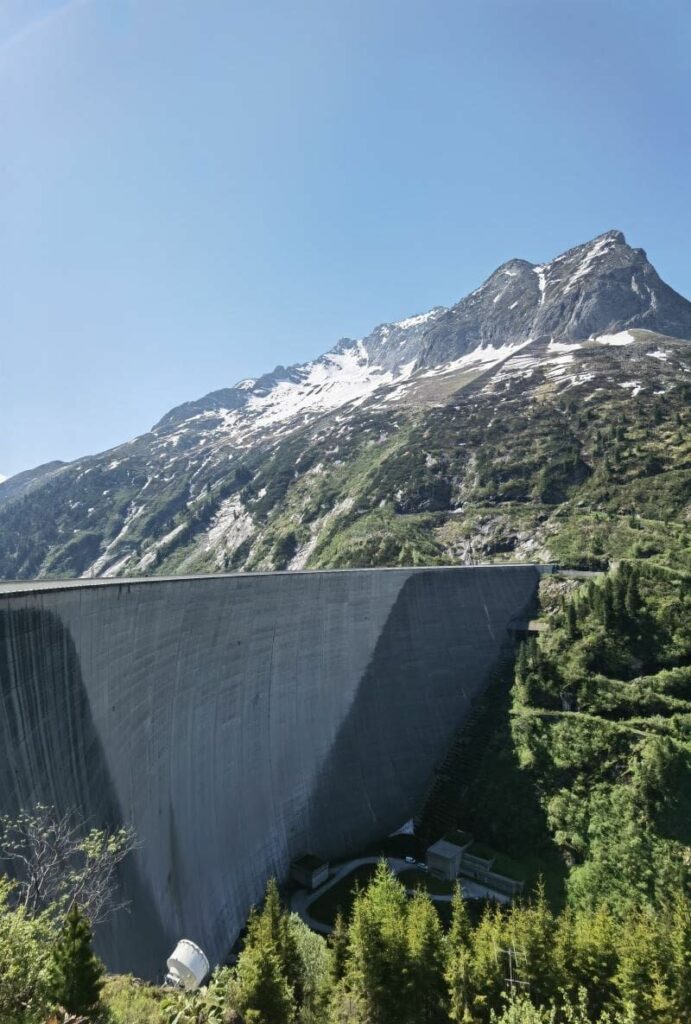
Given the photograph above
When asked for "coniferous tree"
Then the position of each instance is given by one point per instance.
(633, 596)
(608, 615)
(531, 934)
(270, 931)
(593, 958)
(678, 957)
(76, 974)
(378, 966)
(488, 963)
(427, 991)
(262, 990)
(640, 977)
(457, 972)
(459, 930)
(338, 940)
(619, 584)
(459, 984)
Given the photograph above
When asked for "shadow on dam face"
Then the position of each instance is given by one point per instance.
(237, 722)
(50, 753)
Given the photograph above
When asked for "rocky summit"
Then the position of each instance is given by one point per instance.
(504, 427)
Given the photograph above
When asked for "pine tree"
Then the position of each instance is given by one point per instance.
(487, 974)
(633, 596)
(263, 992)
(640, 976)
(459, 930)
(338, 940)
(426, 961)
(608, 616)
(459, 985)
(531, 932)
(619, 585)
(678, 937)
(593, 959)
(76, 974)
(378, 965)
(270, 931)
(457, 972)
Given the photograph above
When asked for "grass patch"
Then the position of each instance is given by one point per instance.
(402, 846)
(482, 851)
(131, 1001)
(435, 886)
(505, 865)
(341, 896)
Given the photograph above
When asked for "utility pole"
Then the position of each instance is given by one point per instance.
(513, 981)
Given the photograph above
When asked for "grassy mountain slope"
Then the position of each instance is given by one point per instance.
(519, 464)
(574, 456)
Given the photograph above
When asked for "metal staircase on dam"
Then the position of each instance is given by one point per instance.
(441, 810)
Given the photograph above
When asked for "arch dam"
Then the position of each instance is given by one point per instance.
(239, 721)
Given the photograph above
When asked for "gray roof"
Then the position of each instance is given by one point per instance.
(443, 848)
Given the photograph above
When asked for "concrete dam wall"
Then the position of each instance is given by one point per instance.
(239, 721)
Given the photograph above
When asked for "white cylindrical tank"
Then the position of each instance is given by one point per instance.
(187, 965)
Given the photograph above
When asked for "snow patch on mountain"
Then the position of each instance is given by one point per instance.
(563, 346)
(484, 356)
(334, 380)
(599, 248)
(542, 281)
(621, 338)
(101, 566)
(231, 526)
(420, 319)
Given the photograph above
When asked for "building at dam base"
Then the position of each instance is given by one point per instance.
(238, 722)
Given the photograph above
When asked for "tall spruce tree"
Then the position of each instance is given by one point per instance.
(262, 990)
(270, 931)
(457, 973)
(338, 941)
(530, 933)
(378, 965)
(488, 966)
(427, 990)
(76, 973)
(632, 600)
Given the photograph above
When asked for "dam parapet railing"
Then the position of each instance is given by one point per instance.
(72, 582)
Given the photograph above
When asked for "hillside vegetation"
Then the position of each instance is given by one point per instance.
(586, 762)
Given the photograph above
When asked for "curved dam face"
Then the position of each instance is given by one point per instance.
(238, 722)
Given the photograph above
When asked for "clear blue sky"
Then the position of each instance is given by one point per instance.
(192, 191)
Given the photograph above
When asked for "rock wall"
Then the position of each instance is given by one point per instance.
(239, 721)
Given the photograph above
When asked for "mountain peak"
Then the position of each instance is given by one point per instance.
(614, 235)
(600, 287)
(196, 494)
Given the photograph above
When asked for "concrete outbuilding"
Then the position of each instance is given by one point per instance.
(309, 871)
(444, 859)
